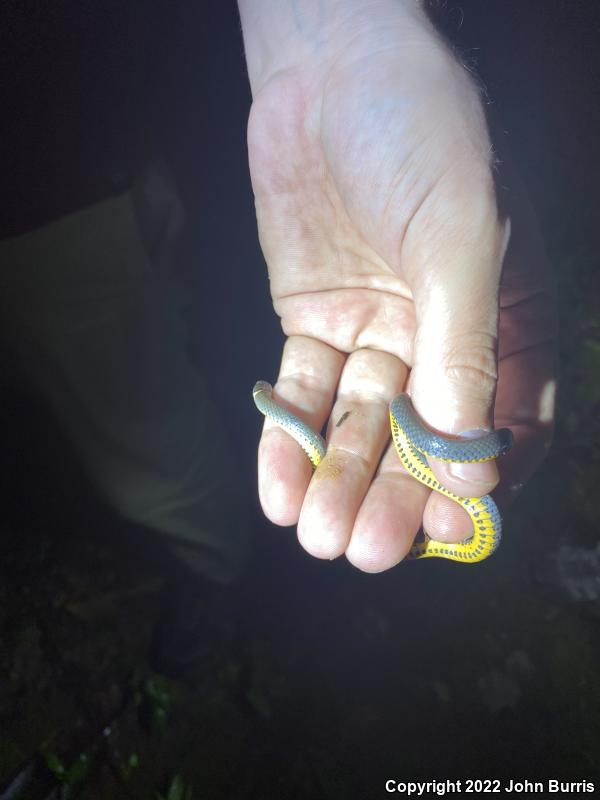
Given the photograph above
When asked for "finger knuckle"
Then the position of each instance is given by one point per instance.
(472, 365)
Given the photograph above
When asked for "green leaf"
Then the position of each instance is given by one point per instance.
(78, 770)
(177, 789)
(55, 765)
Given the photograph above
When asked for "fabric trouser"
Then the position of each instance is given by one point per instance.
(89, 316)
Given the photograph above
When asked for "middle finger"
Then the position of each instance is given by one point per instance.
(358, 433)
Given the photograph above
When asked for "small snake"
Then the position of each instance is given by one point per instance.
(413, 443)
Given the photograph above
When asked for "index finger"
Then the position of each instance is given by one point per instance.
(307, 382)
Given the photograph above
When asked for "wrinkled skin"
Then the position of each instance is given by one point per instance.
(373, 175)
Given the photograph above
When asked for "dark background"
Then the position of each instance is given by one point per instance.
(328, 681)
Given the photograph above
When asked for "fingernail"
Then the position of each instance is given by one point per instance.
(483, 472)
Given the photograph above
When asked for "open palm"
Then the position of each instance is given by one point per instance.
(378, 221)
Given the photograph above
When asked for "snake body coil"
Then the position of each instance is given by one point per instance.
(413, 443)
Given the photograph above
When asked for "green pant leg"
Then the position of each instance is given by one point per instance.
(88, 311)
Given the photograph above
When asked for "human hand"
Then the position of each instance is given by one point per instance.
(373, 176)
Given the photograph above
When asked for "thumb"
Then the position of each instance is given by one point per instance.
(455, 276)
